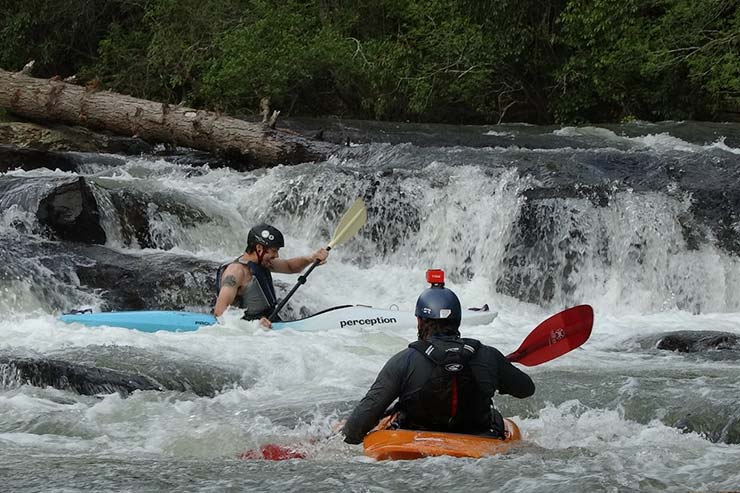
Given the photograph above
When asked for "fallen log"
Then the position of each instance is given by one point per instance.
(50, 100)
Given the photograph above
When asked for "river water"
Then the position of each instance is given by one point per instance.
(638, 220)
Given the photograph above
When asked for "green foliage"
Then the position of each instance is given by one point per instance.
(122, 64)
(428, 67)
(164, 53)
(59, 36)
(281, 50)
(458, 61)
(701, 40)
(654, 59)
(451, 60)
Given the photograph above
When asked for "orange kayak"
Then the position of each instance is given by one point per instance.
(385, 444)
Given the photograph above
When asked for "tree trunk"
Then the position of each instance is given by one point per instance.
(58, 101)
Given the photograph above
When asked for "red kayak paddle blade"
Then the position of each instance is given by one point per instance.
(556, 336)
(272, 452)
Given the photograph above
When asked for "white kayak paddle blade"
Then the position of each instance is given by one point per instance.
(352, 221)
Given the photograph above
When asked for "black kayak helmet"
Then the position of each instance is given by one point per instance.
(265, 235)
(438, 302)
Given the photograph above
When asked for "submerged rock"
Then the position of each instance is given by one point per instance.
(716, 426)
(168, 370)
(694, 341)
(137, 209)
(64, 375)
(699, 344)
(96, 370)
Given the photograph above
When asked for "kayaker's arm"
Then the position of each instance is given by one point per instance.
(494, 373)
(233, 278)
(384, 391)
(513, 381)
(297, 264)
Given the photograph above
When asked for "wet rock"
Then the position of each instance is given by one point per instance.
(136, 210)
(71, 212)
(12, 157)
(718, 209)
(698, 341)
(696, 344)
(67, 138)
(107, 369)
(63, 375)
(541, 257)
(132, 213)
(64, 205)
(59, 276)
(152, 281)
(167, 369)
(715, 426)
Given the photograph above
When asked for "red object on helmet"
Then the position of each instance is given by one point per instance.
(436, 277)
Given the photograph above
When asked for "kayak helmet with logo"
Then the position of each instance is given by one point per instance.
(438, 302)
(265, 235)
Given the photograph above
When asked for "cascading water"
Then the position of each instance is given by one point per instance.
(640, 221)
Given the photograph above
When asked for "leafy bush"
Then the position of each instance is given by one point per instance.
(656, 59)
(460, 61)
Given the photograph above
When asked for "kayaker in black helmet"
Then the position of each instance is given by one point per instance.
(247, 281)
(442, 382)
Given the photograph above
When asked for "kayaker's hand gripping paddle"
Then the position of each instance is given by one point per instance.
(351, 222)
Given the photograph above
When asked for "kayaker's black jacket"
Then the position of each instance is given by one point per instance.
(409, 371)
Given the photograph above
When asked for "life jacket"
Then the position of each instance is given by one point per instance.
(258, 297)
(451, 399)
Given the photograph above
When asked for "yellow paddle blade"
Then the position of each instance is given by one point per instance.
(352, 221)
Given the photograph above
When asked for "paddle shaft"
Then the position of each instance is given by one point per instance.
(352, 220)
(301, 280)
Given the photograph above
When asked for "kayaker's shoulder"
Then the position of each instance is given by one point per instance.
(400, 361)
(489, 352)
(402, 356)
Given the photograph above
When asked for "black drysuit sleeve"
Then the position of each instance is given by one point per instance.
(495, 373)
(385, 389)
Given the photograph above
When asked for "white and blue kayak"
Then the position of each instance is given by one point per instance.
(338, 317)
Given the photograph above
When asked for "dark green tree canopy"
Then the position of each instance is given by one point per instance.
(458, 61)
